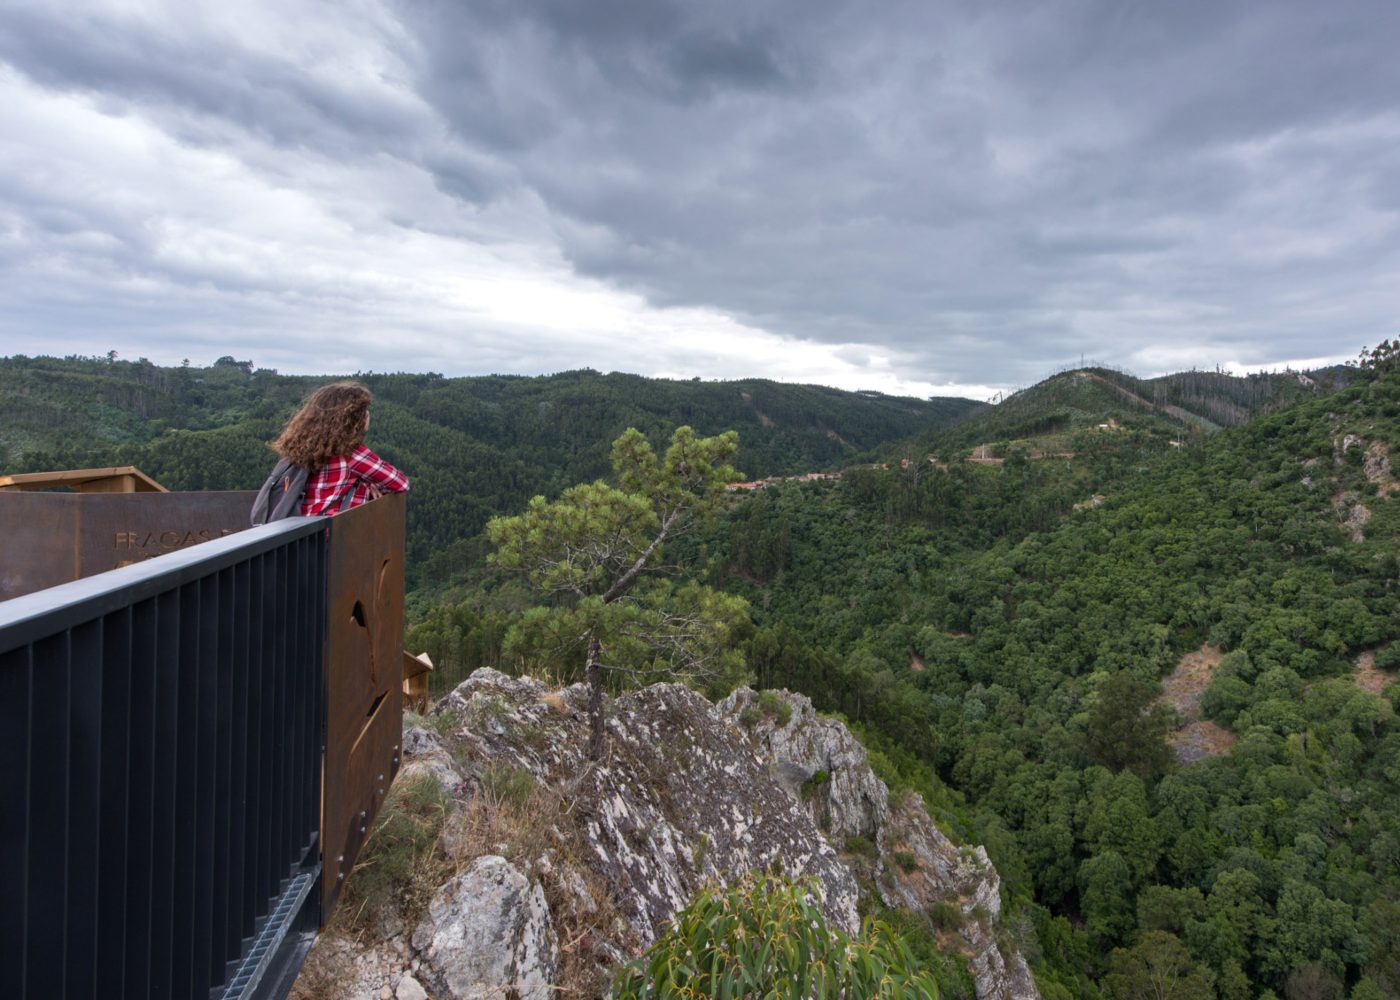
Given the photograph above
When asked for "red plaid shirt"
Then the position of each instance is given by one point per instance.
(357, 471)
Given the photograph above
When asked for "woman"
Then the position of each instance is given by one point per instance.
(327, 436)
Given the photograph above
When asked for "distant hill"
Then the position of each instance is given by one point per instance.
(1072, 410)
(474, 447)
(1231, 400)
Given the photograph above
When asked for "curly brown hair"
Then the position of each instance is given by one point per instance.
(331, 422)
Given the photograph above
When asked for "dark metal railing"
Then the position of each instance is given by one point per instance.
(161, 737)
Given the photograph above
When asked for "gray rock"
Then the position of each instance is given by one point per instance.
(1353, 513)
(917, 865)
(1378, 469)
(418, 741)
(683, 803)
(848, 800)
(942, 872)
(678, 802)
(1020, 983)
(488, 934)
(438, 764)
(686, 796)
(424, 754)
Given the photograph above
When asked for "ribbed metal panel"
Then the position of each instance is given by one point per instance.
(160, 739)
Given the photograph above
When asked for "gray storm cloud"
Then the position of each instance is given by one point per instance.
(980, 191)
(978, 177)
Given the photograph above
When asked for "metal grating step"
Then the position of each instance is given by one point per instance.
(246, 981)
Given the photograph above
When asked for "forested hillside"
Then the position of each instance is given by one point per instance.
(1144, 647)
(1096, 409)
(474, 447)
(1230, 400)
(1008, 630)
(1000, 633)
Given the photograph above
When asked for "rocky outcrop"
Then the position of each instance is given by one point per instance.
(816, 761)
(423, 754)
(1376, 465)
(915, 866)
(1353, 514)
(924, 869)
(342, 967)
(488, 934)
(565, 868)
(677, 804)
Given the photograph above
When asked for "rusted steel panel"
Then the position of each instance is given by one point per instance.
(53, 538)
(364, 680)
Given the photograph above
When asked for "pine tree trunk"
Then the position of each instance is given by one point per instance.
(595, 700)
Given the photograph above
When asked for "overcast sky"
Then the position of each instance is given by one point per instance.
(926, 197)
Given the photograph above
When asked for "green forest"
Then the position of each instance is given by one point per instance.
(1014, 647)
(1139, 638)
(1000, 630)
(473, 447)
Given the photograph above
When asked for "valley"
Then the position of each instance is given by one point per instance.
(1139, 638)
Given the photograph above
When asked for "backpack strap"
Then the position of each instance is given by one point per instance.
(346, 497)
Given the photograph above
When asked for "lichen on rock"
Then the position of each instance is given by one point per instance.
(488, 934)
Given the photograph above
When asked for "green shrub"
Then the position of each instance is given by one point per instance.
(774, 707)
(765, 937)
(767, 705)
(906, 861)
(506, 784)
(945, 915)
(702, 848)
(810, 786)
(1224, 698)
(397, 870)
(947, 967)
(444, 723)
(862, 846)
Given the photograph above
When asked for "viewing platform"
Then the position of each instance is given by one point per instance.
(199, 722)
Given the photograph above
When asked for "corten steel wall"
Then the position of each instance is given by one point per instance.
(364, 680)
(53, 538)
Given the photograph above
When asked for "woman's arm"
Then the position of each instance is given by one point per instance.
(381, 476)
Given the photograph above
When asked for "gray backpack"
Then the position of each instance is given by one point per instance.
(282, 494)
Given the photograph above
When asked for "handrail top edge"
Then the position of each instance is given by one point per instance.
(66, 598)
